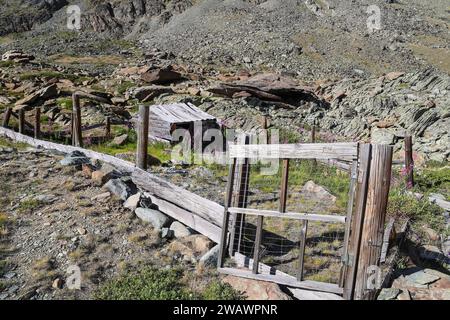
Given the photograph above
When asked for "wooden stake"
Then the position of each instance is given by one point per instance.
(374, 219)
(107, 127)
(22, 121)
(409, 162)
(226, 214)
(142, 145)
(301, 256)
(284, 185)
(37, 122)
(6, 117)
(77, 137)
(258, 239)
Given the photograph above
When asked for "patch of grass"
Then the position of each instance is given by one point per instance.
(123, 87)
(157, 284)
(218, 290)
(434, 178)
(6, 64)
(402, 205)
(64, 103)
(28, 206)
(4, 142)
(148, 284)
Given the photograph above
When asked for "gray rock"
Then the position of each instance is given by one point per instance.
(166, 233)
(180, 230)
(76, 158)
(120, 140)
(118, 188)
(421, 278)
(156, 218)
(389, 294)
(133, 202)
(210, 258)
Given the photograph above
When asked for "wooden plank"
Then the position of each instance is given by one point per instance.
(289, 215)
(205, 208)
(351, 259)
(386, 237)
(374, 218)
(350, 206)
(324, 151)
(6, 117)
(345, 166)
(301, 255)
(142, 133)
(258, 240)
(188, 218)
(306, 284)
(226, 214)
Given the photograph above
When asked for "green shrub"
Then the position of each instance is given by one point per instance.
(159, 284)
(434, 179)
(402, 205)
(217, 290)
(149, 284)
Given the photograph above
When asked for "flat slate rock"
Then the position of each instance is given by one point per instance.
(421, 278)
(389, 294)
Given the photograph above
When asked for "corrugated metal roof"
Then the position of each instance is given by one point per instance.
(180, 112)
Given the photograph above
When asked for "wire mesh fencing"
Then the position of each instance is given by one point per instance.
(306, 250)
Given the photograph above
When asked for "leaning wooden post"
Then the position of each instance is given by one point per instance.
(6, 117)
(77, 138)
(37, 122)
(22, 121)
(142, 146)
(373, 223)
(409, 162)
(107, 127)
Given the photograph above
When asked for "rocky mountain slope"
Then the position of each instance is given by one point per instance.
(315, 39)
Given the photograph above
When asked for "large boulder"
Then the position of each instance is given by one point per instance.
(156, 218)
(76, 158)
(256, 290)
(119, 189)
(161, 76)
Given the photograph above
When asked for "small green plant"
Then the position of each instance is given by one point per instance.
(402, 205)
(148, 284)
(28, 206)
(218, 290)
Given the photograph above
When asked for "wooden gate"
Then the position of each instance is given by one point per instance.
(369, 167)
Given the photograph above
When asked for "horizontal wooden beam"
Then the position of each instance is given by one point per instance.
(287, 281)
(289, 215)
(325, 151)
(198, 213)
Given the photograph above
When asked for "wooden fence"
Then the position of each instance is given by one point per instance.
(370, 167)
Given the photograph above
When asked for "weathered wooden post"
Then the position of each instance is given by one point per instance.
(107, 127)
(6, 117)
(22, 121)
(373, 223)
(313, 140)
(142, 145)
(239, 199)
(77, 138)
(37, 122)
(409, 162)
(351, 257)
